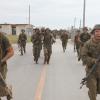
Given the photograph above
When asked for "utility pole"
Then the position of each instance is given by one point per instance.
(29, 14)
(80, 24)
(74, 22)
(84, 8)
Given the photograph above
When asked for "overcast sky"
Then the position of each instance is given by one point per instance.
(50, 13)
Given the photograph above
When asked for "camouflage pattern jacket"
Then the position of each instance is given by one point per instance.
(84, 37)
(90, 53)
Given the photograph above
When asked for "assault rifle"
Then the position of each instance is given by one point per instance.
(85, 79)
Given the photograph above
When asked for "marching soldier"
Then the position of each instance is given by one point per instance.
(90, 54)
(77, 42)
(22, 41)
(85, 36)
(6, 52)
(47, 44)
(36, 39)
(64, 39)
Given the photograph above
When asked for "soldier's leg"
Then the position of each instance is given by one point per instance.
(48, 58)
(79, 58)
(37, 55)
(63, 47)
(34, 52)
(98, 86)
(65, 44)
(21, 50)
(92, 85)
(3, 71)
(49, 55)
(5, 91)
(45, 55)
(24, 49)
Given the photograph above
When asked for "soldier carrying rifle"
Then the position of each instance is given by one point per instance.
(6, 51)
(91, 58)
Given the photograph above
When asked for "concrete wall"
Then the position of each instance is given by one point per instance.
(6, 29)
(19, 28)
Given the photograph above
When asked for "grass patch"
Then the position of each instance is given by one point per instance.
(14, 38)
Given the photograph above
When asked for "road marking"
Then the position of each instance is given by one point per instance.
(40, 87)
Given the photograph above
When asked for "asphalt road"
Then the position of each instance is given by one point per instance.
(60, 80)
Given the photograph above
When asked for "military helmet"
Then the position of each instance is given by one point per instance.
(42, 29)
(85, 28)
(96, 27)
(78, 31)
(22, 30)
(48, 30)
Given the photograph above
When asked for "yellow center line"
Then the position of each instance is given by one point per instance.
(40, 87)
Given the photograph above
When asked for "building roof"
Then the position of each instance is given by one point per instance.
(14, 24)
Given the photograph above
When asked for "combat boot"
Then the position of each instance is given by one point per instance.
(9, 97)
(24, 50)
(44, 61)
(48, 59)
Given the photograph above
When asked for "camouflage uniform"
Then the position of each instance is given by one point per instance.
(47, 43)
(85, 36)
(37, 41)
(22, 41)
(90, 53)
(77, 42)
(4, 46)
(64, 39)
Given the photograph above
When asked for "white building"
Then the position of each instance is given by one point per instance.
(15, 29)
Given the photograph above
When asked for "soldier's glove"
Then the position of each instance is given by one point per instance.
(94, 60)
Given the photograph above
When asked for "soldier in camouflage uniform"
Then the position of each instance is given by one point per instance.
(6, 51)
(47, 44)
(64, 39)
(90, 53)
(37, 41)
(77, 42)
(42, 35)
(22, 41)
(85, 36)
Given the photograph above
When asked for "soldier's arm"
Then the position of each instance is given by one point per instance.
(86, 58)
(25, 37)
(32, 38)
(67, 36)
(9, 50)
(9, 54)
(74, 42)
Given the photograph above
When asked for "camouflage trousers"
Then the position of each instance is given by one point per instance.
(64, 44)
(22, 47)
(47, 54)
(4, 90)
(78, 49)
(93, 84)
(80, 52)
(36, 50)
(3, 70)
